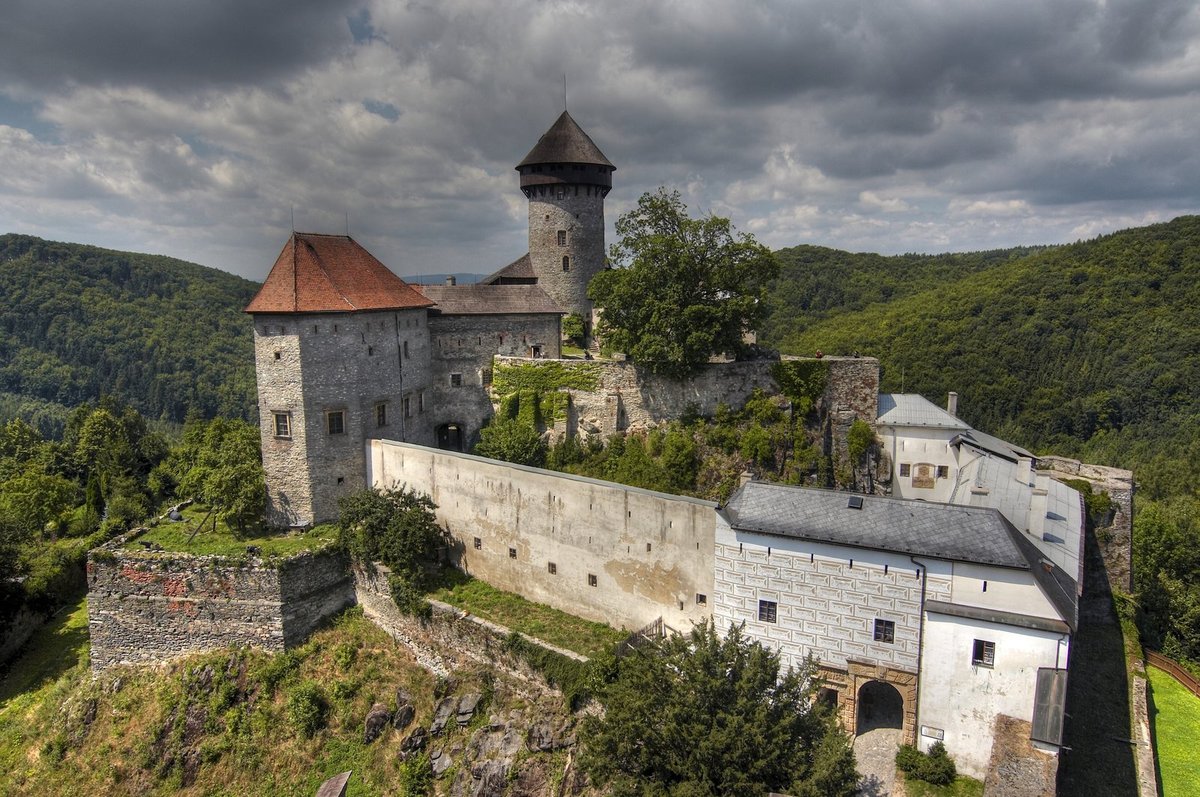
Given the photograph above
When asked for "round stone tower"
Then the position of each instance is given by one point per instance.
(565, 177)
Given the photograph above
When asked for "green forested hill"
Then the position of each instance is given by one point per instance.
(77, 322)
(1090, 349)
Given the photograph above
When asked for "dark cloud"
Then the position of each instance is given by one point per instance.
(48, 44)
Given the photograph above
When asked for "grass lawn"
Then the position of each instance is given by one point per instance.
(961, 787)
(533, 619)
(1175, 720)
(174, 537)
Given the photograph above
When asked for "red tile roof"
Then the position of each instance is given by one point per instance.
(331, 274)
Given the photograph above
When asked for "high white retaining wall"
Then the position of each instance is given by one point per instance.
(602, 551)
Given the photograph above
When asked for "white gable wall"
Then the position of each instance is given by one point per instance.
(916, 447)
(1007, 590)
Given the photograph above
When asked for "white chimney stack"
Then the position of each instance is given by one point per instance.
(952, 403)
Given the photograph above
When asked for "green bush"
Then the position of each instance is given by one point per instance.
(936, 767)
(307, 709)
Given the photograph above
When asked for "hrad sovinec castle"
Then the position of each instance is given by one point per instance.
(944, 608)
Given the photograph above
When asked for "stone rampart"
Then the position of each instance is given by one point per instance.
(451, 639)
(146, 607)
(597, 550)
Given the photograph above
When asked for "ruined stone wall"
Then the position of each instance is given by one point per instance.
(627, 397)
(146, 607)
(465, 345)
(309, 365)
(597, 550)
(1114, 538)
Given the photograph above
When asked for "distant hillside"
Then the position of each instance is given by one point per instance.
(78, 321)
(1088, 349)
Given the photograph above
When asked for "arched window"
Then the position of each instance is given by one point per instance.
(566, 263)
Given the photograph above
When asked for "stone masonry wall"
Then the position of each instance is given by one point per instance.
(577, 210)
(313, 364)
(1115, 540)
(465, 345)
(450, 640)
(148, 607)
(629, 398)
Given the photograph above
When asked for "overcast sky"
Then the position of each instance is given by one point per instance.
(197, 129)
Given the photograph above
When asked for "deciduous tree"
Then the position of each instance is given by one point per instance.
(685, 289)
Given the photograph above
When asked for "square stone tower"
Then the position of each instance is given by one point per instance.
(341, 350)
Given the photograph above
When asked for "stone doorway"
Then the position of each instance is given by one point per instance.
(450, 437)
(880, 705)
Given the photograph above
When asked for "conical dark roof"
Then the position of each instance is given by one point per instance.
(565, 142)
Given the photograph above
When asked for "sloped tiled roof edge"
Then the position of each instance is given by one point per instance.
(317, 273)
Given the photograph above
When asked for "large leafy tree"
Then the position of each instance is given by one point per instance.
(685, 290)
(219, 462)
(705, 715)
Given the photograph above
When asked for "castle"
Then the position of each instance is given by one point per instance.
(345, 351)
(943, 609)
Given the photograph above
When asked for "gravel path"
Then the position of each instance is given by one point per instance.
(875, 751)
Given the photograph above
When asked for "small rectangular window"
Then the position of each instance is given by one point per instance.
(885, 631)
(562, 237)
(591, 579)
(552, 568)
(406, 349)
(566, 263)
(701, 599)
(983, 653)
(512, 553)
(283, 424)
(455, 380)
(478, 544)
(767, 611)
(421, 401)
(335, 422)
(905, 469)
(408, 406)
(381, 415)
(647, 547)
(943, 471)
(278, 355)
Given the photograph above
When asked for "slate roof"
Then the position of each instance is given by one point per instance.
(331, 274)
(910, 409)
(490, 299)
(519, 269)
(981, 535)
(994, 445)
(565, 142)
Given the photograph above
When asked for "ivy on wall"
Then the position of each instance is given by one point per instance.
(802, 381)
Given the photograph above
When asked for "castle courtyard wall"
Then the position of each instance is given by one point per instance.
(598, 550)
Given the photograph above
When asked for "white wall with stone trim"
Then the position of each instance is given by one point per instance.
(963, 699)
(651, 553)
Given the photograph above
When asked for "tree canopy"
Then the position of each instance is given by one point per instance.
(705, 715)
(685, 289)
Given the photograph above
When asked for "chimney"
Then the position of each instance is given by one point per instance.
(451, 281)
(952, 403)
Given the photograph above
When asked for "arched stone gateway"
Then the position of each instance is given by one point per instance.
(450, 437)
(880, 705)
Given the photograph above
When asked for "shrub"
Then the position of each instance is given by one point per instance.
(936, 767)
(307, 709)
